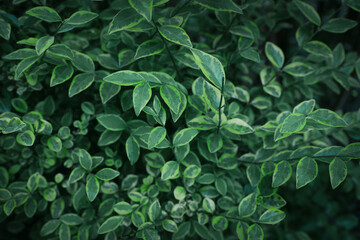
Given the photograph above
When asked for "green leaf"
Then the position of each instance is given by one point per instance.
(110, 224)
(44, 13)
(169, 225)
(26, 138)
(202, 123)
(126, 18)
(282, 173)
(9, 206)
(150, 234)
(306, 172)
(342, 78)
(24, 65)
(208, 205)
(4, 194)
(43, 44)
(123, 208)
(107, 174)
(214, 142)
(132, 150)
(295, 122)
(81, 17)
(76, 174)
(129, 78)
(157, 135)
(251, 54)
(50, 227)
(149, 48)
(20, 105)
(238, 126)
(175, 34)
(272, 216)
(210, 66)
(274, 54)
(92, 187)
(305, 107)
(224, 5)
(108, 137)
(339, 25)
(184, 136)
(154, 211)
(64, 232)
(170, 171)
(338, 172)
(143, 7)
(328, 118)
(141, 96)
(71, 219)
(61, 74)
(255, 232)
(20, 54)
(298, 69)
(171, 97)
(219, 223)
(247, 205)
(80, 83)
(5, 29)
(62, 51)
(192, 171)
(352, 150)
(54, 144)
(112, 122)
(82, 62)
(318, 48)
(85, 159)
(309, 12)
(108, 91)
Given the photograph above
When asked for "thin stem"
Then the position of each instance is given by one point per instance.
(168, 50)
(221, 99)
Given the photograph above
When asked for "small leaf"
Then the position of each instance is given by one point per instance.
(175, 34)
(251, 54)
(298, 69)
(272, 216)
(132, 150)
(339, 25)
(309, 12)
(210, 66)
(328, 118)
(80, 83)
(238, 126)
(274, 54)
(26, 138)
(157, 135)
(24, 65)
(219, 223)
(107, 174)
(141, 96)
(338, 172)
(92, 187)
(247, 205)
(112, 122)
(43, 44)
(108, 91)
(192, 171)
(143, 7)
(44, 13)
(223, 5)
(5, 29)
(169, 225)
(85, 159)
(110, 224)
(318, 48)
(255, 232)
(282, 173)
(71, 219)
(154, 211)
(123, 208)
(295, 122)
(170, 171)
(305, 107)
(171, 97)
(306, 172)
(54, 144)
(184, 136)
(81, 17)
(149, 48)
(61, 74)
(124, 19)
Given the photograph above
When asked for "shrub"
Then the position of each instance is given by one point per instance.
(179, 119)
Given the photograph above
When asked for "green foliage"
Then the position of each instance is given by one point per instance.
(196, 119)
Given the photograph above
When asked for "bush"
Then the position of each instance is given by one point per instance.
(158, 119)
